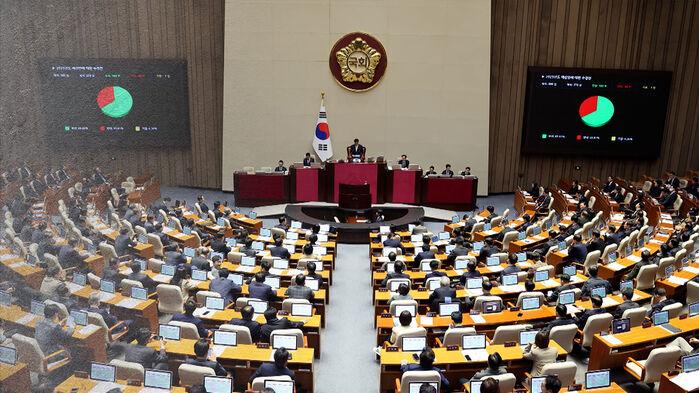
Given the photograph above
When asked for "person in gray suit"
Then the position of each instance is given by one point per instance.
(51, 333)
(123, 243)
(225, 287)
(143, 355)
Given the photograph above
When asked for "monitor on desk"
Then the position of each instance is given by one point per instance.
(231, 242)
(411, 308)
(169, 332)
(236, 278)
(189, 252)
(8, 355)
(157, 379)
(167, 270)
(414, 387)
(318, 250)
(252, 215)
(143, 239)
(597, 379)
(433, 284)
(221, 222)
(425, 266)
(312, 283)
(566, 297)
(292, 236)
(521, 256)
(226, 338)
(474, 283)
(621, 325)
(265, 232)
(102, 372)
(79, 317)
(272, 281)
(570, 270)
(611, 257)
(260, 306)
(37, 308)
(461, 264)
(694, 309)
(443, 235)
(455, 219)
(139, 293)
(142, 263)
(199, 275)
(5, 298)
(531, 303)
(384, 229)
(661, 318)
(416, 238)
(449, 248)
(475, 386)
(322, 237)
(79, 279)
(215, 303)
(491, 307)
(324, 228)
(626, 285)
(536, 231)
(301, 310)
(107, 286)
(527, 337)
(541, 275)
(562, 245)
(258, 246)
(413, 344)
(599, 291)
(247, 261)
(187, 230)
(477, 246)
(473, 341)
(280, 264)
(280, 386)
(690, 363)
(487, 226)
(537, 384)
(509, 279)
(287, 341)
(213, 384)
(295, 224)
(446, 309)
(492, 261)
(521, 236)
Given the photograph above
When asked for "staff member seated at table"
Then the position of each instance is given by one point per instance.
(585, 315)
(188, 316)
(466, 171)
(540, 353)
(447, 171)
(51, 333)
(430, 171)
(280, 167)
(356, 152)
(458, 251)
(562, 318)
(273, 323)
(495, 367)
(594, 282)
(218, 244)
(311, 273)
(427, 364)
(397, 272)
(225, 287)
(143, 278)
(278, 368)
(403, 293)
(659, 301)
(404, 162)
(298, 289)
(123, 244)
(308, 160)
(577, 250)
(259, 290)
(627, 304)
(247, 314)
(489, 248)
(645, 261)
(565, 286)
(278, 250)
(201, 351)
(443, 294)
(424, 254)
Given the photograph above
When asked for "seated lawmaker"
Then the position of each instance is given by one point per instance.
(278, 368)
(308, 160)
(272, 323)
(596, 309)
(562, 318)
(247, 315)
(280, 167)
(447, 171)
(201, 353)
(426, 363)
(577, 250)
(424, 254)
(595, 282)
(397, 273)
(188, 316)
(356, 152)
(278, 250)
(404, 162)
(659, 301)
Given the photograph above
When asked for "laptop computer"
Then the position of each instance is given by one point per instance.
(157, 379)
(570, 270)
(215, 303)
(287, 341)
(599, 291)
(461, 264)
(531, 303)
(107, 286)
(433, 284)
(690, 363)
(597, 379)
(236, 278)
(260, 306)
(492, 261)
(413, 344)
(102, 372)
(474, 283)
(79, 279)
(8, 355)
(301, 310)
(662, 319)
(139, 293)
(199, 275)
(226, 338)
(169, 332)
(214, 384)
(411, 308)
(566, 297)
(446, 309)
(541, 275)
(279, 386)
(509, 279)
(527, 337)
(273, 281)
(694, 309)
(521, 256)
(79, 317)
(473, 341)
(491, 307)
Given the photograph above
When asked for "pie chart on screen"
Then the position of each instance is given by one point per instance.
(115, 101)
(596, 111)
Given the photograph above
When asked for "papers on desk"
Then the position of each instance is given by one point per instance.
(73, 287)
(162, 278)
(105, 296)
(655, 241)
(88, 330)
(459, 272)
(563, 252)
(550, 283)
(6, 257)
(635, 297)
(512, 288)
(634, 258)
(263, 238)
(478, 318)
(129, 302)
(153, 390)
(217, 350)
(496, 269)
(426, 321)
(611, 340)
(25, 319)
(571, 309)
(692, 269)
(608, 302)
(17, 265)
(575, 279)
(616, 266)
(677, 280)
(476, 355)
(126, 271)
(474, 292)
(687, 381)
(276, 272)
(104, 387)
(293, 272)
(538, 237)
(490, 232)
(245, 269)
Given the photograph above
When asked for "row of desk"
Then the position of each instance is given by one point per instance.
(316, 183)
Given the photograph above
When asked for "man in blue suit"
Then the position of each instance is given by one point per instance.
(578, 250)
(188, 316)
(225, 287)
(259, 290)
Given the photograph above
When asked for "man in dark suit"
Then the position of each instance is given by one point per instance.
(466, 171)
(218, 244)
(273, 323)
(259, 290)
(596, 243)
(311, 273)
(659, 301)
(512, 267)
(278, 368)
(645, 260)
(51, 333)
(394, 241)
(612, 237)
(673, 180)
(202, 204)
(434, 265)
(581, 320)
(397, 273)
(246, 248)
(201, 351)
(280, 167)
(424, 254)
(404, 162)
(595, 282)
(308, 160)
(138, 275)
(188, 316)
(225, 287)
(175, 257)
(443, 294)
(278, 250)
(670, 198)
(628, 304)
(143, 355)
(610, 185)
(201, 259)
(562, 318)
(458, 251)
(447, 171)
(111, 272)
(149, 224)
(578, 250)
(426, 363)
(565, 286)
(69, 257)
(430, 171)
(123, 243)
(471, 272)
(356, 151)
(246, 319)
(489, 248)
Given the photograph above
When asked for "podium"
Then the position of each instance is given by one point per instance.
(307, 183)
(403, 185)
(371, 173)
(354, 196)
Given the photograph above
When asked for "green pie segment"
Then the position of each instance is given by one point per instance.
(115, 101)
(596, 111)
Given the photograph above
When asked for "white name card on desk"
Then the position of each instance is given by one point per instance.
(478, 318)
(616, 266)
(677, 280)
(634, 258)
(686, 381)
(512, 288)
(611, 340)
(608, 302)
(25, 319)
(692, 269)
(129, 303)
(88, 330)
(426, 321)
(6, 257)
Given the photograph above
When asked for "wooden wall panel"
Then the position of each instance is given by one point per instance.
(139, 29)
(635, 34)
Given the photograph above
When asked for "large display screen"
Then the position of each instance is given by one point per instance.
(599, 112)
(117, 103)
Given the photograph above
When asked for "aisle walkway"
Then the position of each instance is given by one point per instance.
(347, 364)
